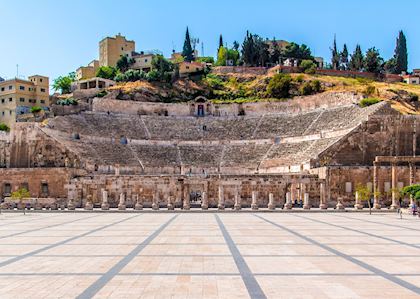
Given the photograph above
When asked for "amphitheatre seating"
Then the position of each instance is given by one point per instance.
(201, 156)
(248, 156)
(155, 155)
(290, 153)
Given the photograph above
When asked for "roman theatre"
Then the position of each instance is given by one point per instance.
(266, 155)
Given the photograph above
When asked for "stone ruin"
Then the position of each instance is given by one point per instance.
(205, 155)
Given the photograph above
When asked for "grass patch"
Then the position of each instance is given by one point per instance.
(369, 102)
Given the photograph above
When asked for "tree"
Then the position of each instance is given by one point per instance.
(335, 57)
(390, 66)
(401, 56)
(373, 61)
(249, 50)
(187, 51)
(19, 195)
(279, 86)
(124, 63)
(226, 54)
(275, 53)
(344, 59)
(63, 83)
(357, 60)
(106, 72)
(365, 195)
(236, 46)
(308, 66)
(220, 43)
(163, 67)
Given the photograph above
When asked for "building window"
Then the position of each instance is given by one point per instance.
(44, 188)
(25, 186)
(2, 101)
(7, 189)
(145, 60)
(21, 87)
(2, 89)
(42, 89)
(10, 99)
(10, 112)
(42, 101)
(10, 87)
(187, 67)
(22, 99)
(348, 187)
(2, 113)
(40, 80)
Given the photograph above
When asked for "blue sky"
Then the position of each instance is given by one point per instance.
(51, 37)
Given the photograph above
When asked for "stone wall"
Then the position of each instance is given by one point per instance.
(33, 178)
(296, 105)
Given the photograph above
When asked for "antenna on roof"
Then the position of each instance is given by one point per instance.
(173, 47)
(17, 70)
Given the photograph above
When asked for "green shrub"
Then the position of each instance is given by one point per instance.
(130, 76)
(153, 75)
(67, 102)
(368, 102)
(101, 94)
(4, 127)
(36, 109)
(279, 86)
(413, 97)
(214, 81)
(299, 78)
(106, 72)
(308, 66)
(309, 88)
(364, 80)
(369, 90)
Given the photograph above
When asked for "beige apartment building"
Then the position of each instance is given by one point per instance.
(17, 96)
(112, 48)
(89, 71)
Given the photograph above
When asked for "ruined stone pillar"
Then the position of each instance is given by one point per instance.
(186, 204)
(376, 203)
(339, 205)
(38, 205)
(105, 204)
(121, 205)
(155, 201)
(323, 205)
(254, 203)
(89, 204)
(288, 204)
(204, 201)
(70, 205)
(117, 169)
(306, 202)
(238, 202)
(271, 203)
(395, 204)
(358, 203)
(412, 181)
(170, 204)
(221, 203)
(139, 203)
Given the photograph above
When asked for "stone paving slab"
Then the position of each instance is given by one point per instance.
(209, 255)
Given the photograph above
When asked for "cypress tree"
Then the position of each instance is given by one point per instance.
(220, 42)
(344, 58)
(401, 56)
(357, 60)
(335, 57)
(187, 51)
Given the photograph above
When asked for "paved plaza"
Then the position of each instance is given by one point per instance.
(209, 255)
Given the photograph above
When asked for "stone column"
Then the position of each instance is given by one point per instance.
(271, 203)
(376, 203)
(155, 201)
(323, 205)
(139, 203)
(238, 202)
(121, 205)
(358, 203)
(105, 204)
(412, 181)
(306, 202)
(288, 204)
(117, 169)
(186, 204)
(89, 204)
(395, 204)
(70, 205)
(339, 205)
(221, 204)
(204, 201)
(170, 204)
(254, 203)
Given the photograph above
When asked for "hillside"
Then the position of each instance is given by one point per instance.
(250, 87)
